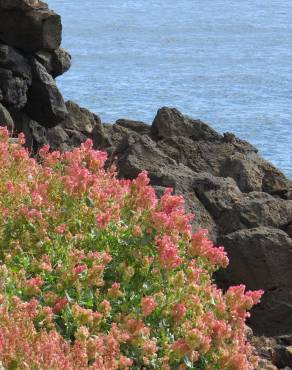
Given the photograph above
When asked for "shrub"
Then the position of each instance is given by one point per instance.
(97, 273)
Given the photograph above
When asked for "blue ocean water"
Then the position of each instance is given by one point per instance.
(227, 62)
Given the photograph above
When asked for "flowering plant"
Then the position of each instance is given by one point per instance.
(97, 273)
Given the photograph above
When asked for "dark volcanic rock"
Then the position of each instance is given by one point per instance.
(29, 25)
(170, 122)
(56, 62)
(258, 208)
(45, 102)
(15, 77)
(219, 195)
(35, 134)
(5, 118)
(22, 5)
(243, 170)
(80, 119)
(30, 58)
(13, 89)
(261, 258)
(283, 356)
(252, 173)
(58, 138)
(14, 61)
(136, 126)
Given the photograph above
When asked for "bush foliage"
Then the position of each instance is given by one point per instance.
(97, 273)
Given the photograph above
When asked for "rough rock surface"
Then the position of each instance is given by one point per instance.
(45, 103)
(6, 119)
(244, 201)
(30, 59)
(32, 26)
(56, 62)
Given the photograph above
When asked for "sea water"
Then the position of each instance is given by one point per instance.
(227, 62)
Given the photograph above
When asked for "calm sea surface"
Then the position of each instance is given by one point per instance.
(227, 62)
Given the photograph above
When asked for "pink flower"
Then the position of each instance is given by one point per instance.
(105, 307)
(33, 285)
(61, 229)
(254, 296)
(87, 145)
(60, 304)
(79, 269)
(114, 291)
(148, 305)
(220, 329)
(170, 203)
(9, 186)
(137, 231)
(43, 152)
(168, 253)
(125, 362)
(35, 282)
(178, 311)
(181, 347)
(21, 138)
(104, 219)
(4, 134)
(201, 246)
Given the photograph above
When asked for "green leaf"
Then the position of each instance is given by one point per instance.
(68, 297)
(188, 362)
(89, 202)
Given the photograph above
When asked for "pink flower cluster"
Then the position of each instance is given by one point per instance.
(202, 247)
(168, 253)
(97, 273)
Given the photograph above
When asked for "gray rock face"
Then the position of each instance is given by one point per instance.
(13, 89)
(56, 62)
(30, 58)
(13, 60)
(253, 174)
(80, 119)
(29, 25)
(15, 77)
(6, 119)
(283, 356)
(22, 5)
(135, 126)
(268, 252)
(171, 123)
(45, 103)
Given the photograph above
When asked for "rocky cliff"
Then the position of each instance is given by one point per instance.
(244, 201)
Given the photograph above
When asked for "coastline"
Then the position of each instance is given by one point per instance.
(244, 201)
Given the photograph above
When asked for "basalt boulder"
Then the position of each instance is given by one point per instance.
(261, 258)
(56, 62)
(29, 25)
(23, 5)
(171, 123)
(14, 61)
(45, 103)
(13, 89)
(5, 118)
(80, 119)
